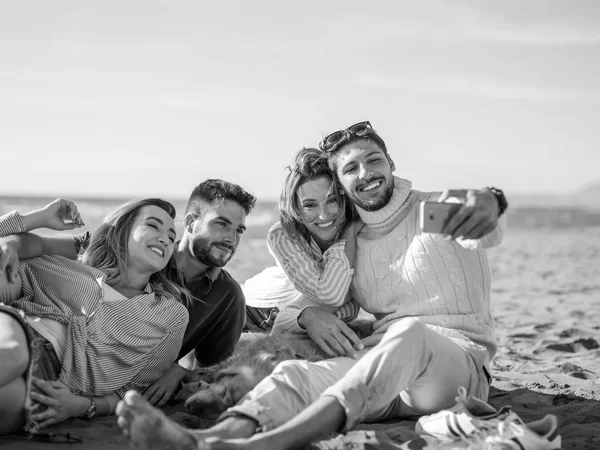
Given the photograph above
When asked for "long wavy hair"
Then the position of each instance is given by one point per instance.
(309, 164)
(108, 249)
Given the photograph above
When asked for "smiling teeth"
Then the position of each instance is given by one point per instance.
(371, 186)
(158, 251)
(324, 225)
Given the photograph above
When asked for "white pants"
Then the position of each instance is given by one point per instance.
(412, 371)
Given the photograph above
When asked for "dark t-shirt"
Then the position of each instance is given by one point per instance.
(217, 317)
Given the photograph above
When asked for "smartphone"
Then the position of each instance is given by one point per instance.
(435, 216)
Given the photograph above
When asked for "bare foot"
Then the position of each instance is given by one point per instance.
(149, 428)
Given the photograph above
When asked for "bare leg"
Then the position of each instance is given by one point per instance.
(12, 402)
(14, 351)
(323, 417)
(14, 359)
(149, 428)
(409, 355)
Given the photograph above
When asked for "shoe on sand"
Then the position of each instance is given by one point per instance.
(513, 434)
(468, 415)
(509, 434)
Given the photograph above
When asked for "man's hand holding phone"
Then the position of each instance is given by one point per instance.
(435, 216)
(473, 218)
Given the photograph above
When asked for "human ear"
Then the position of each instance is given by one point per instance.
(392, 165)
(188, 222)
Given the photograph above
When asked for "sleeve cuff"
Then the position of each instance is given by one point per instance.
(11, 223)
(297, 321)
(287, 321)
(336, 250)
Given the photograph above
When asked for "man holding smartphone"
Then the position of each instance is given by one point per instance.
(359, 157)
(430, 294)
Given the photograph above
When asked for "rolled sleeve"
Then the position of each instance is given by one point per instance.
(287, 319)
(353, 397)
(11, 223)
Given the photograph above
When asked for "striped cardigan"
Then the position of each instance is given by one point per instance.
(322, 277)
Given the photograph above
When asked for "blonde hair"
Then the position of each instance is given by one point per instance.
(108, 249)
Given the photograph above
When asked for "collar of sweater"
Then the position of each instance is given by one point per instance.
(402, 199)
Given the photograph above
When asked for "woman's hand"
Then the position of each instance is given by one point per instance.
(58, 215)
(331, 334)
(61, 403)
(162, 390)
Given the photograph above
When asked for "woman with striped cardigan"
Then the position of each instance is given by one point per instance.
(314, 246)
(76, 335)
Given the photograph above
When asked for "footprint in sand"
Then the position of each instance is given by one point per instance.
(544, 326)
(569, 332)
(581, 375)
(575, 371)
(580, 345)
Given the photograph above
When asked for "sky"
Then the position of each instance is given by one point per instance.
(140, 98)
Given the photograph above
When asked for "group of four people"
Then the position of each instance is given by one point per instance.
(348, 238)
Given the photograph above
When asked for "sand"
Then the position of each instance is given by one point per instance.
(546, 296)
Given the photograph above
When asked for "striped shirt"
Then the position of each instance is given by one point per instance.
(323, 277)
(110, 346)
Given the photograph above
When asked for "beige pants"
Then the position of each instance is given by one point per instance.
(412, 371)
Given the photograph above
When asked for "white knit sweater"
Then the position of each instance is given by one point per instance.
(402, 272)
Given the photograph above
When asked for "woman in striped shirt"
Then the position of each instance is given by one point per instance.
(94, 328)
(314, 244)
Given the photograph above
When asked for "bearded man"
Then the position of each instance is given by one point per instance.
(214, 222)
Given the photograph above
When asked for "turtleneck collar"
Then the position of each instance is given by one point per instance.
(402, 189)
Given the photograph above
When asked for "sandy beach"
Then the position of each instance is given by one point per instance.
(546, 300)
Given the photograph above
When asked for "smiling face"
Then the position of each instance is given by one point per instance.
(365, 173)
(216, 232)
(150, 243)
(319, 208)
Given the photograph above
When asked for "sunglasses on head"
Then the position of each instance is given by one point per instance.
(331, 141)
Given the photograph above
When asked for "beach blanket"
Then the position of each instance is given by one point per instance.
(579, 419)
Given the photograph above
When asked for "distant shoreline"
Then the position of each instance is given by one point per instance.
(99, 199)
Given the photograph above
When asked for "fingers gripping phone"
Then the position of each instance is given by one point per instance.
(435, 216)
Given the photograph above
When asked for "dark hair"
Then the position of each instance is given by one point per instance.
(212, 189)
(349, 138)
(308, 164)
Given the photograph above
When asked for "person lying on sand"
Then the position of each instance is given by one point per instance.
(430, 294)
(89, 330)
(314, 244)
(214, 223)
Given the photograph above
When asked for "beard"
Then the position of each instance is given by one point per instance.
(202, 249)
(376, 204)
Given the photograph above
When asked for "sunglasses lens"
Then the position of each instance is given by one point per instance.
(360, 128)
(333, 137)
